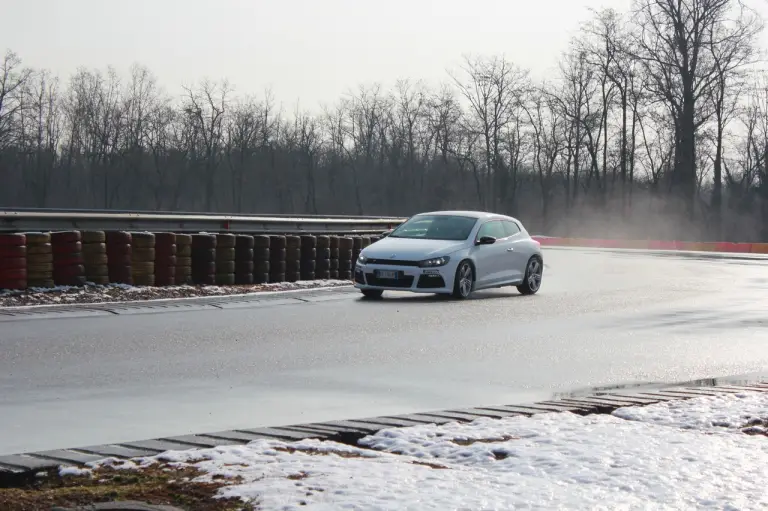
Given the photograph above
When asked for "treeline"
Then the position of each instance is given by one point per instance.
(656, 125)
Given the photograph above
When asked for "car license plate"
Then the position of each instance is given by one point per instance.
(383, 274)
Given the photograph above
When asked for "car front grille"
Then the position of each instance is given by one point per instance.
(392, 262)
(404, 282)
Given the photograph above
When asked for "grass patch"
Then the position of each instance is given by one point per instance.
(156, 484)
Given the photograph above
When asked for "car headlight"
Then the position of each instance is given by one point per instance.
(361, 259)
(437, 261)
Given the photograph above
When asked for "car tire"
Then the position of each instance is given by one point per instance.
(464, 281)
(372, 293)
(534, 272)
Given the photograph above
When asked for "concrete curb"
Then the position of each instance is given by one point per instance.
(20, 467)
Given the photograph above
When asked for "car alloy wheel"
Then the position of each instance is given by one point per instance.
(464, 280)
(533, 275)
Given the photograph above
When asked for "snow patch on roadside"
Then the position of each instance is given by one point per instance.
(122, 293)
(725, 412)
(548, 461)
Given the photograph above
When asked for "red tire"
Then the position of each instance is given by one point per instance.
(67, 247)
(12, 240)
(10, 251)
(64, 272)
(13, 263)
(66, 237)
(118, 238)
(68, 260)
(13, 284)
(15, 274)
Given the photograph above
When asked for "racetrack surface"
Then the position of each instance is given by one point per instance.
(601, 318)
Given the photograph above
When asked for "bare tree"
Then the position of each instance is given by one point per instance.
(493, 87)
(675, 42)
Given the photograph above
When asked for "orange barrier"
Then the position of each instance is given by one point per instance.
(759, 248)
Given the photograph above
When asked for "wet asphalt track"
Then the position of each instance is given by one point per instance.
(601, 318)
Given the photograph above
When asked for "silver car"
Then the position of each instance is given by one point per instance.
(451, 252)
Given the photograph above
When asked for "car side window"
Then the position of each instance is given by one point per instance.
(511, 227)
(493, 228)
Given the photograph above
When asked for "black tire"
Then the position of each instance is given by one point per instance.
(372, 293)
(531, 286)
(461, 288)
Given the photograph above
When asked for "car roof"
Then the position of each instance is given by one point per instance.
(471, 214)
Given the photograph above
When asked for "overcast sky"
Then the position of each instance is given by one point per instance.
(312, 50)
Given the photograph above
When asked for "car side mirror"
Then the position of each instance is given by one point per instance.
(385, 234)
(486, 240)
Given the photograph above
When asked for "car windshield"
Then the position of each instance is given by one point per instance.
(436, 227)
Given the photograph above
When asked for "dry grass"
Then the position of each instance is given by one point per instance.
(156, 484)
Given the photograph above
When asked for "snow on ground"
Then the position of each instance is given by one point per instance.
(122, 293)
(746, 412)
(658, 460)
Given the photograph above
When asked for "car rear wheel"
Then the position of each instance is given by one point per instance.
(372, 293)
(464, 281)
(533, 275)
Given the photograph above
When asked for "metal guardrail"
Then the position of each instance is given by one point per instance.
(27, 219)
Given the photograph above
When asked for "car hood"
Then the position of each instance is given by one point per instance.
(409, 249)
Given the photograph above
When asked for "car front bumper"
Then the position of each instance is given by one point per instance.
(409, 278)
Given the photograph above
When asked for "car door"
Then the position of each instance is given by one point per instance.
(490, 260)
(517, 257)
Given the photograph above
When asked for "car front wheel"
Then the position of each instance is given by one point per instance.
(462, 284)
(533, 274)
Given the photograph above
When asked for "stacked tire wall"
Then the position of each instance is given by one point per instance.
(278, 253)
(204, 259)
(75, 258)
(165, 259)
(120, 257)
(346, 244)
(308, 257)
(143, 258)
(292, 258)
(13, 261)
(95, 259)
(225, 259)
(39, 260)
(323, 258)
(244, 254)
(262, 259)
(334, 244)
(183, 259)
(68, 268)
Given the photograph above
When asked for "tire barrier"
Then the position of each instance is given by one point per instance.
(308, 257)
(278, 252)
(39, 260)
(183, 259)
(323, 258)
(292, 258)
(143, 255)
(166, 252)
(357, 247)
(95, 260)
(262, 256)
(119, 257)
(225, 259)
(334, 245)
(204, 259)
(13, 261)
(68, 268)
(346, 244)
(244, 254)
